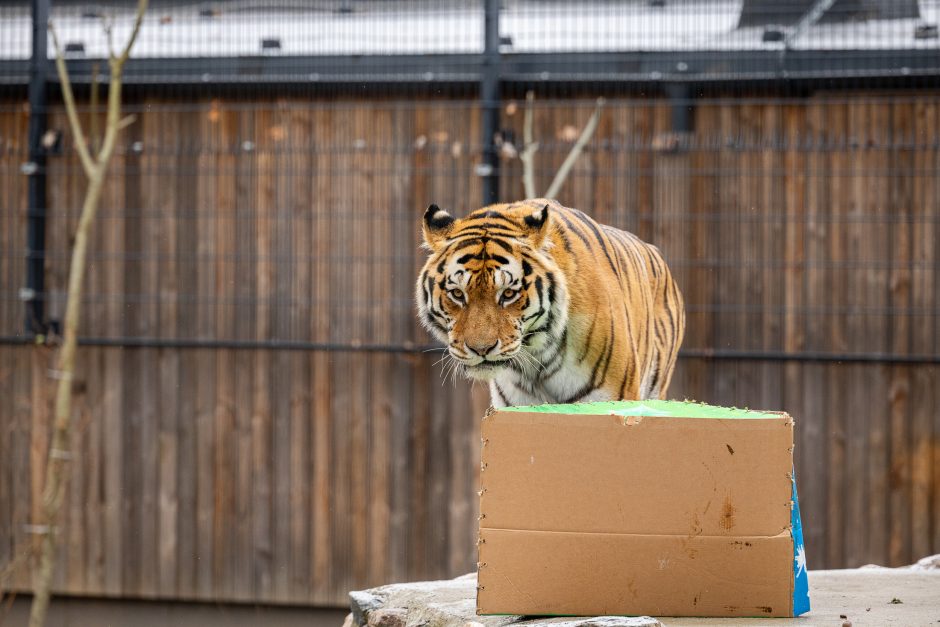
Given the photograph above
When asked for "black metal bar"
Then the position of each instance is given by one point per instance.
(680, 96)
(809, 356)
(157, 342)
(489, 99)
(689, 353)
(695, 67)
(35, 169)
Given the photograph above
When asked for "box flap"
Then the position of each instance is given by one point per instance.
(637, 474)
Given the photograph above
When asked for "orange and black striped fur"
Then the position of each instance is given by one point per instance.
(549, 306)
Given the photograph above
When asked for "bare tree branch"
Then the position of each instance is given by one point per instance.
(94, 133)
(126, 121)
(579, 145)
(527, 156)
(138, 20)
(107, 25)
(57, 471)
(81, 145)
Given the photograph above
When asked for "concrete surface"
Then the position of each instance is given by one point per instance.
(864, 596)
(871, 595)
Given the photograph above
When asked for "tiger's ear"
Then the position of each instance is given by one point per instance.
(537, 221)
(435, 226)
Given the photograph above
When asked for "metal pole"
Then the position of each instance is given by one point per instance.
(680, 101)
(35, 169)
(489, 96)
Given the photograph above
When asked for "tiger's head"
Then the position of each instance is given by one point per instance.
(490, 290)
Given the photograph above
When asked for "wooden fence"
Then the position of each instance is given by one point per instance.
(278, 435)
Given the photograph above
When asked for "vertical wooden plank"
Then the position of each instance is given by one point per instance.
(321, 540)
(6, 236)
(21, 476)
(112, 399)
(418, 451)
(824, 293)
(234, 262)
(923, 339)
(770, 388)
(7, 428)
(197, 367)
(223, 516)
(261, 420)
(724, 320)
(73, 567)
(138, 322)
(225, 459)
(341, 328)
(875, 250)
(205, 474)
(410, 122)
(848, 196)
(34, 394)
(276, 139)
(181, 582)
(386, 199)
(157, 242)
(300, 169)
(160, 576)
(196, 567)
(899, 333)
(9, 434)
(934, 371)
(359, 183)
(750, 214)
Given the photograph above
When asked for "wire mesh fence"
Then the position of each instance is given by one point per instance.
(264, 221)
(251, 277)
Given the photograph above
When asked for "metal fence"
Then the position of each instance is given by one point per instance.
(263, 423)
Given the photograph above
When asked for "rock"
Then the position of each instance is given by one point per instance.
(388, 617)
(603, 621)
(931, 562)
(349, 620)
(361, 603)
(452, 603)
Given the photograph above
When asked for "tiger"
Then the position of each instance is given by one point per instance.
(545, 305)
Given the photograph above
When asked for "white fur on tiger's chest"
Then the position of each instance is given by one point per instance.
(511, 388)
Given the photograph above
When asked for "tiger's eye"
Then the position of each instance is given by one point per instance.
(508, 294)
(458, 294)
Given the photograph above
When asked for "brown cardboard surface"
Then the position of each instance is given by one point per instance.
(657, 476)
(538, 572)
(604, 514)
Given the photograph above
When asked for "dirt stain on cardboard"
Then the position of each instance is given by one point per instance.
(726, 521)
(730, 450)
(631, 587)
(695, 531)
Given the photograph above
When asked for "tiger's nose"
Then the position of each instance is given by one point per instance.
(480, 349)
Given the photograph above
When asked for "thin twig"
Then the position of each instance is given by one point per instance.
(126, 121)
(81, 145)
(565, 168)
(138, 20)
(527, 156)
(94, 133)
(107, 25)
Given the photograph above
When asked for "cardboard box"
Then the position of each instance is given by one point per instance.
(656, 508)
